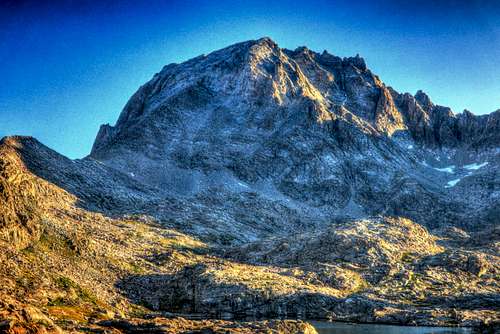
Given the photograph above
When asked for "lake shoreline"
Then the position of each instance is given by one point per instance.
(356, 328)
(318, 320)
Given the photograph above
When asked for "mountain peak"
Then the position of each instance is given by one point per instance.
(356, 61)
(266, 40)
(17, 141)
(423, 99)
(256, 87)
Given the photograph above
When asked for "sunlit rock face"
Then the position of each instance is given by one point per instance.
(320, 134)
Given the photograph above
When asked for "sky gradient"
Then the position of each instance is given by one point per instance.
(70, 66)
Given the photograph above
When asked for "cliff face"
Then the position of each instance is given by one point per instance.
(437, 126)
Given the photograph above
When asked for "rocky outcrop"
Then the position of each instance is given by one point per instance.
(18, 318)
(376, 270)
(374, 246)
(21, 198)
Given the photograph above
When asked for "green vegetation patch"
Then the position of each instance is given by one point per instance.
(75, 294)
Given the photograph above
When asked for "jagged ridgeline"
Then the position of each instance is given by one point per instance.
(257, 181)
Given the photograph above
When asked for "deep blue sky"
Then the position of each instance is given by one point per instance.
(68, 66)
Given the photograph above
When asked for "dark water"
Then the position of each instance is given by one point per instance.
(345, 328)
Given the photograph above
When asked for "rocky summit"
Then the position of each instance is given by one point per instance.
(256, 182)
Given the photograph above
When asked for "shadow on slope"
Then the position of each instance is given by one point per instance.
(216, 215)
(97, 187)
(199, 290)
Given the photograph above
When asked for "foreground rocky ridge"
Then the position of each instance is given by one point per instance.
(256, 182)
(61, 264)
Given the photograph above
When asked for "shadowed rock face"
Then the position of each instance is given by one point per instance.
(257, 181)
(437, 126)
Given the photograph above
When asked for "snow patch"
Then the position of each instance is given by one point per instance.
(329, 159)
(475, 166)
(448, 169)
(452, 183)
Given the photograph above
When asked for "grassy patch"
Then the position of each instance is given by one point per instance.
(72, 288)
(27, 281)
(68, 313)
(138, 311)
(407, 257)
(60, 243)
(28, 251)
(135, 268)
(360, 284)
